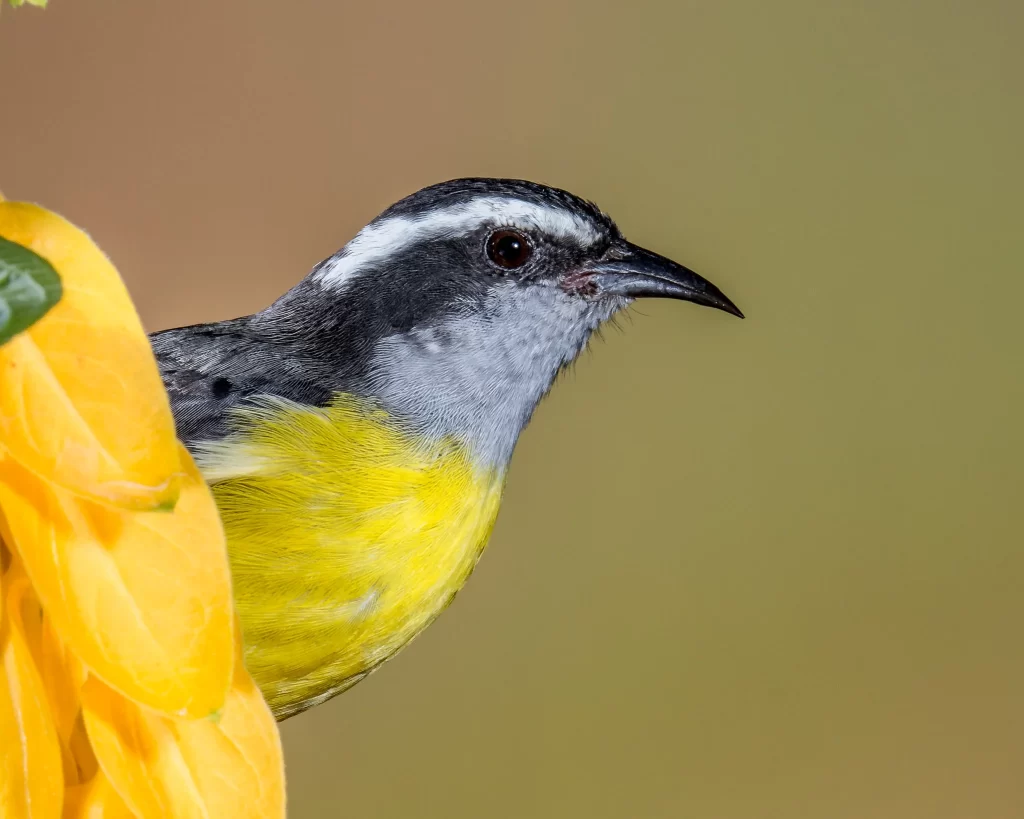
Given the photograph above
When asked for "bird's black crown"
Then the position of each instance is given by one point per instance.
(457, 191)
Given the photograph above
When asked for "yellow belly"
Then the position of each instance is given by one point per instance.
(347, 537)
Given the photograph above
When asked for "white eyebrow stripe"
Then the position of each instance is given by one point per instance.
(378, 240)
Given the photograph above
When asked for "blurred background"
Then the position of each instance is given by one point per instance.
(766, 569)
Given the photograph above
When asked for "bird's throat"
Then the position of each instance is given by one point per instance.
(347, 535)
(479, 376)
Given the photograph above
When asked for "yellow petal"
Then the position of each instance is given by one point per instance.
(96, 799)
(83, 758)
(237, 759)
(190, 768)
(61, 673)
(137, 752)
(81, 400)
(143, 599)
(31, 782)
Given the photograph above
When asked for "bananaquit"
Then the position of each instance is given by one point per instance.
(356, 433)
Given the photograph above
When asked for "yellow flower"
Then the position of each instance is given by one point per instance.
(122, 689)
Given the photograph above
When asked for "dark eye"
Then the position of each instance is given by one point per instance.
(509, 249)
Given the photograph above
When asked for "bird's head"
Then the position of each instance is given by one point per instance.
(464, 300)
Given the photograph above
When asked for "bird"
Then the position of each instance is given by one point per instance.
(357, 432)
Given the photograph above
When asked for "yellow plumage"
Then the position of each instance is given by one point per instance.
(347, 536)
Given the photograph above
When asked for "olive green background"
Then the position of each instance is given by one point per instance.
(744, 570)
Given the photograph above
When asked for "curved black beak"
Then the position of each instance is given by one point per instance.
(631, 271)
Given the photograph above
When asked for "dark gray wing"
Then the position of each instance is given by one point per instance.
(208, 369)
(200, 369)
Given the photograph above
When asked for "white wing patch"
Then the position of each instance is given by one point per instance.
(377, 241)
(229, 458)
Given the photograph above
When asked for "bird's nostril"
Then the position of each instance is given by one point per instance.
(615, 253)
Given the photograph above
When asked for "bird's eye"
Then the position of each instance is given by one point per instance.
(509, 249)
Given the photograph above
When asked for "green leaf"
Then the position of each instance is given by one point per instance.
(29, 287)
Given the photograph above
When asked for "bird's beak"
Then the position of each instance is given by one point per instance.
(631, 271)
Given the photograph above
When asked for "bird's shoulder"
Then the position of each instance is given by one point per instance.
(210, 369)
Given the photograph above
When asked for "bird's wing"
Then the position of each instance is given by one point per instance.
(211, 369)
(199, 368)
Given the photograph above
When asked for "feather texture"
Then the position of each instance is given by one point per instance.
(347, 535)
